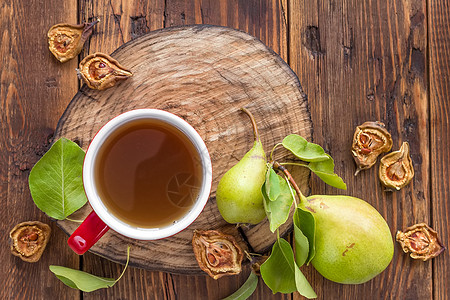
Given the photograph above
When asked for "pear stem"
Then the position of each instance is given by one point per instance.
(252, 119)
(294, 164)
(290, 190)
(278, 166)
(90, 25)
(273, 150)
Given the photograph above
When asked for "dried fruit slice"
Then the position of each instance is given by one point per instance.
(217, 254)
(66, 41)
(29, 240)
(369, 141)
(100, 71)
(421, 240)
(396, 168)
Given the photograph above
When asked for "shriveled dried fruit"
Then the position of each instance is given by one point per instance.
(100, 71)
(66, 41)
(369, 141)
(421, 240)
(29, 240)
(217, 254)
(396, 168)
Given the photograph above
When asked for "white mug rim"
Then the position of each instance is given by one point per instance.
(104, 213)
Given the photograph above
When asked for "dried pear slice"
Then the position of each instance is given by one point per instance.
(369, 141)
(29, 240)
(100, 71)
(421, 240)
(66, 41)
(217, 254)
(396, 168)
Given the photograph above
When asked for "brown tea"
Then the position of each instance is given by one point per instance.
(148, 174)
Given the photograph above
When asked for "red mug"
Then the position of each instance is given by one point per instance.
(100, 220)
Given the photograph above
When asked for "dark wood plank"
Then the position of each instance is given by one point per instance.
(264, 19)
(439, 63)
(120, 21)
(35, 89)
(364, 61)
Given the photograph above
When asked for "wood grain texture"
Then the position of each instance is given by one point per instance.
(357, 61)
(439, 62)
(35, 89)
(120, 21)
(265, 20)
(204, 74)
(365, 61)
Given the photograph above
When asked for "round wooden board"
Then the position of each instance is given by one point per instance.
(203, 74)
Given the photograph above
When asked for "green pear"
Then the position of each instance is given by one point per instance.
(238, 194)
(353, 241)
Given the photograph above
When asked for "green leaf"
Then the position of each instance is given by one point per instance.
(303, 149)
(278, 211)
(272, 184)
(304, 220)
(325, 171)
(281, 274)
(302, 284)
(278, 271)
(84, 281)
(265, 200)
(320, 163)
(81, 280)
(56, 183)
(301, 245)
(246, 290)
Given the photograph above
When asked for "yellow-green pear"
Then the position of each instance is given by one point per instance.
(238, 194)
(353, 241)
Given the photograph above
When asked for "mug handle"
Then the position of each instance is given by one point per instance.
(87, 234)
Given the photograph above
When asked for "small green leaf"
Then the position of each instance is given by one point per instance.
(302, 284)
(56, 183)
(84, 281)
(325, 171)
(278, 271)
(81, 280)
(303, 149)
(278, 211)
(301, 245)
(304, 220)
(272, 184)
(281, 274)
(246, 290)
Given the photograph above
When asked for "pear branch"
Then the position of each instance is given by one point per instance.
(283, 169)
(252, 119)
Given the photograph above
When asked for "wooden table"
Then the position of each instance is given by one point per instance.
(357, 61)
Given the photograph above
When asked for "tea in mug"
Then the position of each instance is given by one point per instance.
(148, 174)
